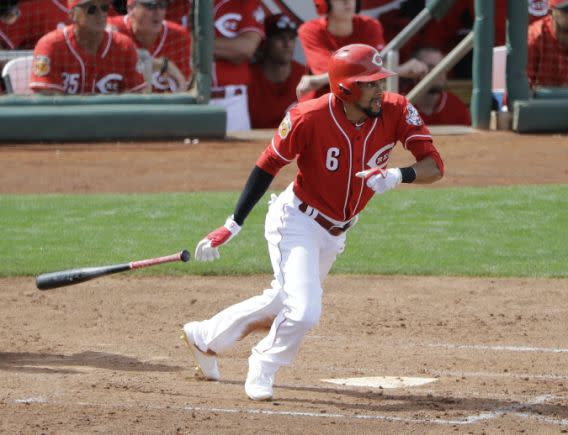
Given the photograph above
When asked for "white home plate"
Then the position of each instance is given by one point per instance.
(382, 381)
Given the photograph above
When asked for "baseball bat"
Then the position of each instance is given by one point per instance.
(64, 278)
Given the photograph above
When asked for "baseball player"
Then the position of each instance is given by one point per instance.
(342, 142)
(84, 57)
(239, 28)
(274, 78)
(340, 25)
(548, 47)
(168, 43)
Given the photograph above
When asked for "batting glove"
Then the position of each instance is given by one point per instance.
(207, 248)
(380, 180)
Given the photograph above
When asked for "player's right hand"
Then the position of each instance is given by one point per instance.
(207, 248)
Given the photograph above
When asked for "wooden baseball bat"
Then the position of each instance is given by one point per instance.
(63, 278)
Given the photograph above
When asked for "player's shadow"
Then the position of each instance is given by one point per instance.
(28, 362)
(378, 402)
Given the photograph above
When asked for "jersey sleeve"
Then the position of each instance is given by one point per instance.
(375, 34)
(316, 48)
(253, 18)
(415, 136)
(285, 145)
(46, 67)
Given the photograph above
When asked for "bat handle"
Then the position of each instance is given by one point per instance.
(180, 256)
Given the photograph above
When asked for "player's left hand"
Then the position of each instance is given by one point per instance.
(381, 180)
(207, 248)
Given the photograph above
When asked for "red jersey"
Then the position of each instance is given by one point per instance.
(330, 150)
(449, 111)
(37, 17)
(268, 101)
(174, 43)
(178, 11)
(231, 18)
(319, 44)
(547, 59)
(61, 64)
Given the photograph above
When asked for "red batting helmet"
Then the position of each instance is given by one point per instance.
(324, 6)
(351, 64)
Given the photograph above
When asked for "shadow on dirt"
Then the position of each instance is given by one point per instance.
(63, 364)
(368, 401)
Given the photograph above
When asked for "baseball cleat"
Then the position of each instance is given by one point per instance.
(258, 385)
(206, 364)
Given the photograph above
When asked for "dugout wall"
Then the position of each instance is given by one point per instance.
(63, 118)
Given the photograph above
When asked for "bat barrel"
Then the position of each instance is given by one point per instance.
(64, 278)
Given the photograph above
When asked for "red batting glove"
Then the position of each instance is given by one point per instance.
(207, 248)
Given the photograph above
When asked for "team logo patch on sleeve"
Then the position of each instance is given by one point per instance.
(285, 126)
(412, 115)
(42, 65)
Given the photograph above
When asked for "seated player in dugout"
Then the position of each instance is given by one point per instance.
(437, 106)
(548, 48)
(340, 25)
(84, 57)
(275, 75)
(239, 29)
(168, 43)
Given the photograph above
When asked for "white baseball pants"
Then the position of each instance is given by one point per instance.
(302, 253)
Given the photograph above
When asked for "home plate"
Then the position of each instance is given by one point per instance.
(382, 381)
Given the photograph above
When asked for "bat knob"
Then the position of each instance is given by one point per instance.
(185, 256)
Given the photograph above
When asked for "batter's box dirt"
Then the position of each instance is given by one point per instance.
(95, 358)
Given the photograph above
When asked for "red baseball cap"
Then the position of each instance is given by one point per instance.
(558, 4)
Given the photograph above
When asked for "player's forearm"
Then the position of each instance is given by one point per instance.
(256, 186)
(237, 50)
(427, 171)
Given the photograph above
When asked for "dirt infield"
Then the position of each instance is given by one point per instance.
(105, 356)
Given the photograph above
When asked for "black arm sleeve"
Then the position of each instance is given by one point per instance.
(256, 186)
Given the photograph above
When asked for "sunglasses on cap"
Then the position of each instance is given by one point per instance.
(153, 5)
(91, 8)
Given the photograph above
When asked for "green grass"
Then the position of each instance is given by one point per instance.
(502, 231)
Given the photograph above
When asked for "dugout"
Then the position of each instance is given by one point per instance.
(36, 118)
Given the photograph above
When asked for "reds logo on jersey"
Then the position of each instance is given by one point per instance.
(538, 8)
(228, 24)
(163, 82)
(109, 83)
(381, 157)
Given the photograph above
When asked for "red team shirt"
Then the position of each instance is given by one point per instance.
(331, 155)
(269, 102)
(174, 43)
(547, 59)
(231, 18)
(449, 111)
(37, 17)
(60, 64)
(319, 44)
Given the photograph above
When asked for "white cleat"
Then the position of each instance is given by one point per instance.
(258, 385)
(207, 364)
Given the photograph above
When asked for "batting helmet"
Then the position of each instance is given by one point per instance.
(324, 6)
(351, 64)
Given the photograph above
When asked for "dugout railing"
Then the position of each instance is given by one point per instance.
(63, 118)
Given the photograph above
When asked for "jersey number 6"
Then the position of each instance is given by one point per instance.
(331, 161)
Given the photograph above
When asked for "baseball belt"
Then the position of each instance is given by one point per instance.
(326, 224)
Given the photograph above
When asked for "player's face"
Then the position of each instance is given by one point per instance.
(280, 47)
(342, 8)
(371, 97)
(92, 15)
(149, 16)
